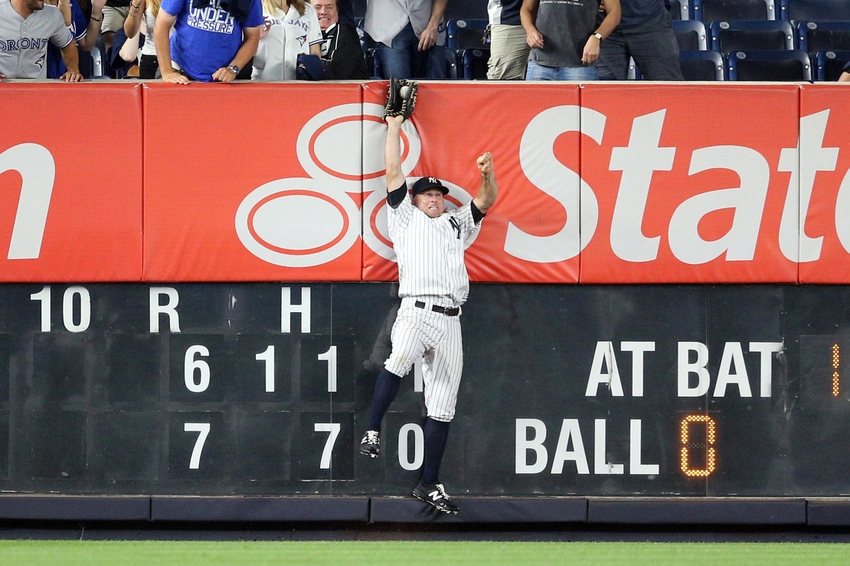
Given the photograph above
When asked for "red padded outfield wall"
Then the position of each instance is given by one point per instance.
(600, 183)
(70, 188)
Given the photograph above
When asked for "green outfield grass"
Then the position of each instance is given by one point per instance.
(437, 553)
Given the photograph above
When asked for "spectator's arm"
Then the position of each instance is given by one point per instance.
(95, 21)
(246, 51)
(845, 77)
(161, 40)
(64, 8)
(134, 18)
(72, 64)
(611, 21)
(428, 37)
(528, 17)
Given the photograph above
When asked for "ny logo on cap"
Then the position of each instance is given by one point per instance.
(433, 180)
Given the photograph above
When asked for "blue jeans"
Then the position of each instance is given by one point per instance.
(404, 61)
(538, 72)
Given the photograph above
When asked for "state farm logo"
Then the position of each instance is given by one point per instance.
(304, 222)
(38, 170)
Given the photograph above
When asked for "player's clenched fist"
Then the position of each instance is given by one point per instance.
(485, 164)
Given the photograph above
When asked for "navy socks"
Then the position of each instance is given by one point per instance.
(386, 389)
(436, 432)
(436, 435)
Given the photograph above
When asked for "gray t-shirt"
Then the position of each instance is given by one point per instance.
(23, 42)
(565, 25)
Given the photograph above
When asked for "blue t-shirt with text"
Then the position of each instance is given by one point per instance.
(206, 39)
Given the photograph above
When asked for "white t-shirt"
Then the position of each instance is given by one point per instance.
(288, 37)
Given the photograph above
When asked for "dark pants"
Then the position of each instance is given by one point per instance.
(404, 61)
(653, 46)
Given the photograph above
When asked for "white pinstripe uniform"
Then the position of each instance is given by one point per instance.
(431, 272)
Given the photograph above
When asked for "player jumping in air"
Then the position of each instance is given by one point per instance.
(433, 283)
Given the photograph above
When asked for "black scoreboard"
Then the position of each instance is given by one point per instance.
(221, 389)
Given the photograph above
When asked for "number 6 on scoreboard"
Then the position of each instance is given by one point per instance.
(333, 429)
(204, 430)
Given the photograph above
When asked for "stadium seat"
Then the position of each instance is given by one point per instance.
(680, 10)
(702, 65)
(751, 35)
(690, 35)
(634, 73)
(823, 36)
(97, 63)
(769, 66)
(451, 61)
(726, 10)
(377, 68)
(365, 41)
(814, 10)
(830, 64)
(466, 34)
(475, 63)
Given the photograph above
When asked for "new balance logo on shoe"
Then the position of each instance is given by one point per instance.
(436, 496)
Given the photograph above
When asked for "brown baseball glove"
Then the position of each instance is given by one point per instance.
(401, 98)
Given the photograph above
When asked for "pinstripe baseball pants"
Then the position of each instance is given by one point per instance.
(434, 338)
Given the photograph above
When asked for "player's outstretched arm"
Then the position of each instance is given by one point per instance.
(488, 189)
(392, 153)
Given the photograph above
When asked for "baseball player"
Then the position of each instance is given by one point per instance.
(433, 284)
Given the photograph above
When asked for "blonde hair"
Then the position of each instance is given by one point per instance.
(154, 5)
(273, 6)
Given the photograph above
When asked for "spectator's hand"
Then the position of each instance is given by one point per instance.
(71, 77)
(173, 76)
(534, 39)
(591, 50)
(428, 38)
(224, 75)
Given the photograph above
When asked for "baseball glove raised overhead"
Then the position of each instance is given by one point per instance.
(401, 98)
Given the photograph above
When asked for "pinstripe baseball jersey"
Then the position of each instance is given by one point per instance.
(23, 42)
(430, 250)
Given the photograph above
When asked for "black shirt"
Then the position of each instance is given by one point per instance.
(342, 56)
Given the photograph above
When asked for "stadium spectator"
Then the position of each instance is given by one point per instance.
(210, 42)
(845, 74)
(342, 56)
(114, 14)
(407, 33)
(83, 18)
(291, 28)
(646, 34)
(508, 47)
(24, 54)
(144, 12)
(564, 45)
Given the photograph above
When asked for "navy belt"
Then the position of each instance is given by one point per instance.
(448, 311)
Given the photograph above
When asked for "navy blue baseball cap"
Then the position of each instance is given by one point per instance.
(426, 183)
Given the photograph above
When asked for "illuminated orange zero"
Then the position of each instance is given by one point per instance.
(710, 452)
(836, 377)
